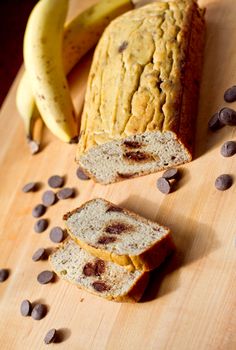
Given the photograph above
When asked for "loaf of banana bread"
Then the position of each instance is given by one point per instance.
(142, 93)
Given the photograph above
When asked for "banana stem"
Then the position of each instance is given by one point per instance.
(34, 140)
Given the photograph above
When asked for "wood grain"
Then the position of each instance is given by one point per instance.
(190, 302)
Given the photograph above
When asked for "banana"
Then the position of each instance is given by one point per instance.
(80, 35)
(44, 66)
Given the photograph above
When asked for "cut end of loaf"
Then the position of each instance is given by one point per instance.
(99, 277)
(134, 156)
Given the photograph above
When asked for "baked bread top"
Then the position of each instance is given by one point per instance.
(136, 79)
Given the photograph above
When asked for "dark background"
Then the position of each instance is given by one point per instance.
(13, 18)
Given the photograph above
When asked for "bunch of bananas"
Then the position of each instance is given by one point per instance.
(51, 50)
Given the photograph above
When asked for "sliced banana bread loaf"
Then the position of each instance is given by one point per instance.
(97, 276)
(115, 234)
(142, 92)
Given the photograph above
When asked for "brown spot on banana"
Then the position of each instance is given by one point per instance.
(42, 97)
(43, 40)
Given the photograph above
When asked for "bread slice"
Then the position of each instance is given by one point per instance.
(99, 277)
(115, 234)
(142, 92)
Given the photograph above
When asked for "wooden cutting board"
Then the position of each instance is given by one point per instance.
(190, 302)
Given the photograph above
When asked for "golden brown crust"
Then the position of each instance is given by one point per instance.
(155, 255)
(151, 258)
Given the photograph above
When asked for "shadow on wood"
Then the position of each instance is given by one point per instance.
(183, 179)
(62, 335)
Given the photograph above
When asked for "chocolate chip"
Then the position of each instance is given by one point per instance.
(99, 267)
(89, 270)
(138, 156)
(123, 46)
(163, 185)
(132, 144)
(227, 116)
(39, 254)
(113, 208)
(117, 228)
(3, 275)
(56, 234)
(39, 210)
(215, 123)
(49, 198)
(45, 277)
(170, 174)
(56, 181)
(230, 94)
(50, 337)
(30, 187)
(106, 240)
(25, 308)
(39, 311)
(100, 286)
(41, 225)
(95, 269)
(228, 149)
(65, 193)
(223, 182)
(81, 175)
